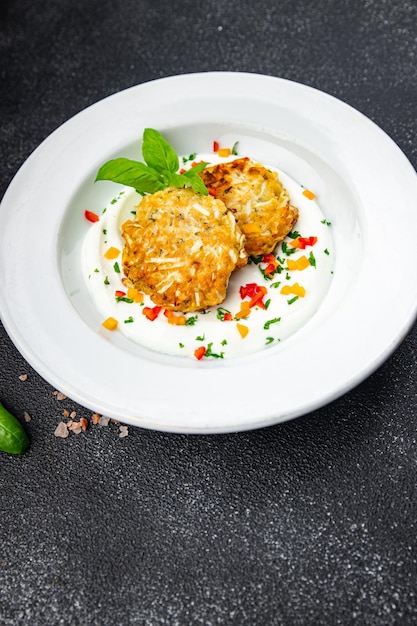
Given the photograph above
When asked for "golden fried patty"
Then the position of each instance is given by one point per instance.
(255, 195)
(181, 249)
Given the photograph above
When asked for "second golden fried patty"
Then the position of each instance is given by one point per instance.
(181, 249)
(258, 200)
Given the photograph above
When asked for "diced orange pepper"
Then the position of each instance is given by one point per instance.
(112, 253)
(309, 194)
(110, 323)
(243, 330)
(176, 320)
(256, 300)
(224, 152)
(244, 310)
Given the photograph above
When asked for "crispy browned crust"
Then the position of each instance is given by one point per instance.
(258, 200)
(181, 249)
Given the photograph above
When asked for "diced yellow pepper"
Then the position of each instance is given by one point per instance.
(249, 229)
(296, 289)
(299, 264)
(110, 323)
(302, 262)
(112, 253)
(243, 330)
(309, 194)
(177, 320)
(135, 295)
(223, 152)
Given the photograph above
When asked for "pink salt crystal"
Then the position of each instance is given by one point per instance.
(61, 430)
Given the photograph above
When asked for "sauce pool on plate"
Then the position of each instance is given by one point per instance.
(268, 300)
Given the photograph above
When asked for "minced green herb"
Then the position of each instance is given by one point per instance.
(273, 321)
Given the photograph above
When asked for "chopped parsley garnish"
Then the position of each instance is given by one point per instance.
(234, 148)
(293, 300)
(191, 157)
(200, 338)
(312, 260)
(222, 313)
(190, 321)
(326, 223)
(106, 281)
(287, 249)
(209, 352)
(326, 251)
(273, 321)
(124, 299)
(129, 320)
(269, 340)
(294, 234)
(116, 268)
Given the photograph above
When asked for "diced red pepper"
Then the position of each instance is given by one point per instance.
(272, 264)
(151, 312)
(215, 146)
(255, 293)
(248, 290)
(212, 191)
(90, 216)
(227, 317)
(119, 294)
(303, 242)
(200, 352)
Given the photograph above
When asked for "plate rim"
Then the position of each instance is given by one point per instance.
(256, 421)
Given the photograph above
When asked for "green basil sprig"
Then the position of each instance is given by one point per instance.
(13, 438)
(159, 171)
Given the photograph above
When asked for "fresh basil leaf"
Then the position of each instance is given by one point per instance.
(131, 173)
(158, 153)
(199, 167)
(176, 180)
(13, 438)
(195, 181)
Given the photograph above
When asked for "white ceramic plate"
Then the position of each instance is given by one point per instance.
(365, 187)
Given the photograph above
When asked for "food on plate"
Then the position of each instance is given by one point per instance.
(201, 258)
(258, 200)
(181, 249)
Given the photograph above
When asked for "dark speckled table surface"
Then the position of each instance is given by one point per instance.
(308, 522)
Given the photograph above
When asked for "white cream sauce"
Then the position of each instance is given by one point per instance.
(220, 338)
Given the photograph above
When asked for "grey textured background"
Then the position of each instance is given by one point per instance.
(310, 522)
